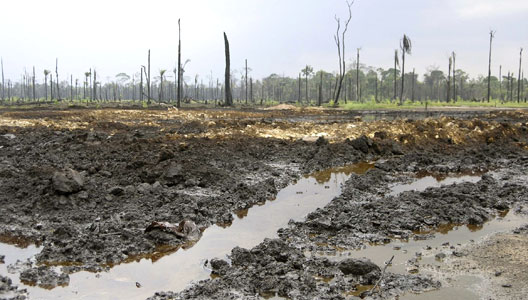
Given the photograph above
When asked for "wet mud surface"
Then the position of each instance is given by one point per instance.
(84, 186)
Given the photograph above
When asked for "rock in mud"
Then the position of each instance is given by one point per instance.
(219, 266)
(116, 190)
(358, 267)
(10, 292)
(67, 182)
(362, 143)
(165, 232)
(44, 276)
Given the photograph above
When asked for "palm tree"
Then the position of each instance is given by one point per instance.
(46, 73)
(162, 73)
(405, 46)
(86, 75)
(307, 71)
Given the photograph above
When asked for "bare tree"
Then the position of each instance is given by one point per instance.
(492, 35)
(519, 78)
(453, 55)
(148, 80)
(33, 79)
(412, 87)
(300, 95)
(500, 84)
(357, 76)
(228, 95)
(405, 46)
(340, 43)
(162, 73)
(71, 87)
(179, 66)
(94, 94)
(57, 77)
(3, 85)
(246, 86)
(396, 63)
(141, 84)
(449, 80)
(320, 98)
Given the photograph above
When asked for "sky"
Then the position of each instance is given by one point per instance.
(275, 36)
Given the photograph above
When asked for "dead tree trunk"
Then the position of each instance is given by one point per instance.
(396, 62)
(251, 89)
(492, 34)
(141, 86)
(449, 81)
(412, 86)
(500, 84)
(33, 79)
(179, 66)
(340, 43)
(320, 98)
(519, 78)
(148, 80)
(246, 86)
(300, 95)
(228, 95)
(71, 88)
(94, 94)
(358, 99)
(57, 74)
(454, 77)
(3, 85)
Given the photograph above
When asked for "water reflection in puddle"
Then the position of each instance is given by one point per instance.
(176, 271)
(425, 182)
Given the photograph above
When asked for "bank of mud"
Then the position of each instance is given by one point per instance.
(86, 184)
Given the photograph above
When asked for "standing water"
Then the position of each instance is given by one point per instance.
(176, 271)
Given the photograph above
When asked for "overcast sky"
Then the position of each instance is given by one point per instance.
(276, 36)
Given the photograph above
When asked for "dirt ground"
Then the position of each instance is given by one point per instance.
(88, 184)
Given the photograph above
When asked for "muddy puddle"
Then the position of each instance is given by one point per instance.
(424, 182)
(188, 264)
(417, 256)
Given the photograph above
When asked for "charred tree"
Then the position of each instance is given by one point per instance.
(94, 94)
(300, 95)
(396, 63)
(3, 84)
(57, 78)
(500, 84)
(33, 79)
(412, 86)
(492, 35)
(228, 95)
(320, 98)
(340, 43)
(449, 80)
(358, 98)
(453, 55)
(179, 67)
(246, 85)
(519, 77)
